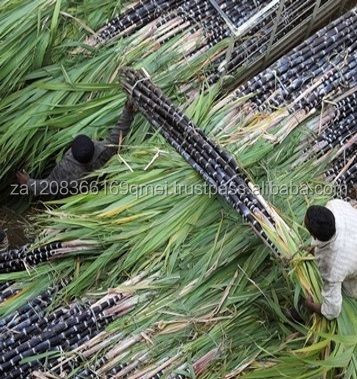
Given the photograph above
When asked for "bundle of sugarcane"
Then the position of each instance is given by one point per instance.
(348, 180)
(333, 132)
(30, 332)
(128, 356)
(319, 71)
(258, 44)
(168, 18)
(336, 135)
(344, 160)
(25, 257)
(19, 259)
(216, 166)
(38, 329)
(255, 26)
(318, 67)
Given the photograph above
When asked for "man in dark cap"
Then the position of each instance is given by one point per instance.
(82, 158)
(334, 232)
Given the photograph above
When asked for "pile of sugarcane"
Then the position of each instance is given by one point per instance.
(341, 129)
(318, 69)
(168, 18)
(217, 167)
(35, 336)
(336, 129)
(260, 39)
(335, 134)
(338, 166)
(343, 171)
(254, 26)
(32, 331)
(25, 257)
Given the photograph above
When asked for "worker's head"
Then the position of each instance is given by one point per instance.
(320, 222)
(82, 149)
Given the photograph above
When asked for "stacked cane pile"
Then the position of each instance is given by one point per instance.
(254, 26)
(324, 65)
(341, 135)
(334, 141)
(35, 336)
(32, 331)
(259, 41)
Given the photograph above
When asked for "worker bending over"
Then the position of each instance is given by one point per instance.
(82, 158)
(334, 229)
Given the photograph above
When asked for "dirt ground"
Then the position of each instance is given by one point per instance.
(15, 225)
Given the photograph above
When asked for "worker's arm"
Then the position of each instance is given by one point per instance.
(122, 127)
(62, 178)
(313, 307)
(110, 146)
(332, 301)
(36, 187)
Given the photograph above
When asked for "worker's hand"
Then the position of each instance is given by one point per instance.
(309, 301)
(311, 250)
(22, 177)
(311, 305)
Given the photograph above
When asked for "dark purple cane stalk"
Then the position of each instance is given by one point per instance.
(208, 168)
(226, 182)
(7, 293)
(339, 130)
(23, 251)
(185, 125)
(349, 178)
(4, 286)
(36, 324)
(18, 260)
(348, 155)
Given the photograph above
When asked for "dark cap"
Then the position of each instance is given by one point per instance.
(83, 149)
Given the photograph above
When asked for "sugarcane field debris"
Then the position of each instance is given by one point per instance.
(201, 146)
